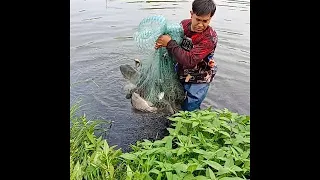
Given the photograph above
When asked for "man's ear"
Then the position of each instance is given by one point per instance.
(191, 13)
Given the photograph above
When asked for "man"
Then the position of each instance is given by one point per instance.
(195, 64)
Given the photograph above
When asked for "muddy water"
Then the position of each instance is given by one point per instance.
(101, 40)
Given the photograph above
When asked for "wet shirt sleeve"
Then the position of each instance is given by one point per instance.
(191, 58)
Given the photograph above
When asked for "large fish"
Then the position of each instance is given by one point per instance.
(141, 104)
(131, 74)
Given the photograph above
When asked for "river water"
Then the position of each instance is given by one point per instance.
(101, 39)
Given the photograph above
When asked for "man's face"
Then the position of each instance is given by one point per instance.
(199, 23)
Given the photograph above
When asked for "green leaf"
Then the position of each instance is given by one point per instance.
(147, 177)
(168, 154)
(238, 149)
(221, 153)
(201, 178)
(245, 119)
(155, 171)
(199, 151)
(209, 155)
(225, 125)
(235, 130)
(184, 130)
(183, 138)
(169, 175)
(176, 119)
(168, 166)
(181, 151)
(245, 155)
(171, 131)
(239, 138)
(177, 114)
(222, 171)
(199, 168)
(151, 151)
(225, 133)
(207, 117)
(247, 165)
(247, 133)
(192, 167)
(195, 137)
(216, 123)
(236, 168)
(231, 178)
(213, 164)
(179, 144)
(160, 164)
(209, 130)
(224, 118)
(175, 177)
(186, 121)
(169, 142)
(241, 127)
(90, 136)
(128, 156)
(231, 170)
(188, 177)
(246, 140)
(106, 148)
(248, 128)
(229, 163)
(147, 141)
(194, 124)
(111, 170)
(234, 151)
(222, 158)
(158, 142)
(172, 118)
(180, 167)
(129, 173)
(210, 174)
(89, 147)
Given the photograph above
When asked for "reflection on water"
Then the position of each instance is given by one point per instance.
(101, 39)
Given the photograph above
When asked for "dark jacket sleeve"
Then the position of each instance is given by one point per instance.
(191, 58)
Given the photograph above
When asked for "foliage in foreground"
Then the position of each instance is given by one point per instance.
(91, 158)
(203, 144)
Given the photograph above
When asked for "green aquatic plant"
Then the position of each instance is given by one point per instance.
(204, 144)
(91, 158)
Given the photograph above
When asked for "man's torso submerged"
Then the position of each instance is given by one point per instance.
(205, 70)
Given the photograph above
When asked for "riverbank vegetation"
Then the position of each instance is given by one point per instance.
(204, 144)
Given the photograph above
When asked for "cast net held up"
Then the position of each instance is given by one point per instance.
(157, 72)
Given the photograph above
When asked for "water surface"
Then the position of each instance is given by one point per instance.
(101, 40)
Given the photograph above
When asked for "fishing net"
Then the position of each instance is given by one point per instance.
(157, 73)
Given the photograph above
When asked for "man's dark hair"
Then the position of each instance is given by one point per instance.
(203, 7)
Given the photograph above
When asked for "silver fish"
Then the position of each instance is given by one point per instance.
(142, 105)
(131, 74)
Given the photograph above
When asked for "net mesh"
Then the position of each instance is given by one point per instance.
(157, 73)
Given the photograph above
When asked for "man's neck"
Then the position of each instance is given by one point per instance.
(190, 28)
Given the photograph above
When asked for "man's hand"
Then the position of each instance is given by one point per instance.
(162, 41)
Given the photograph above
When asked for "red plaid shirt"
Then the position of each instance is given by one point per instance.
(204, 43)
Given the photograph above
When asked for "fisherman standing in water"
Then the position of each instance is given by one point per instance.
(195, 66)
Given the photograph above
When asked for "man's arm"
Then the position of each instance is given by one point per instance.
(194, 56)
